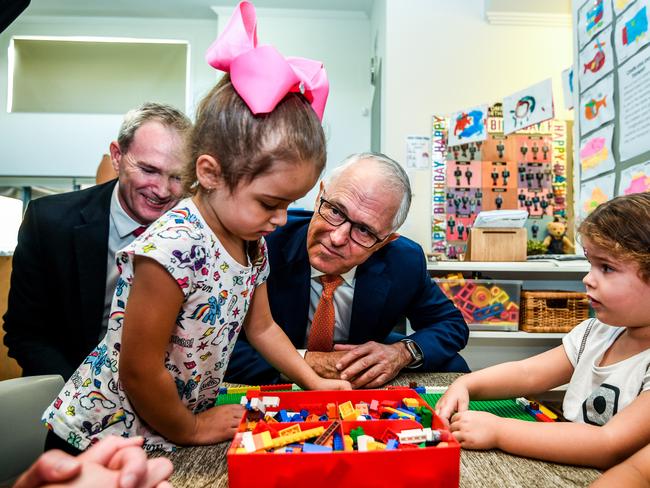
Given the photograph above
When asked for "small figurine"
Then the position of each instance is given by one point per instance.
(524, 150)
(451, 223)
(498, 201)
(534, 150)
(500, 149)
(458, 173)
(468, 175)
(534, 229)
(522, 173)
(506, 174)
(545, 150)
(495, 177)
(556, 242)
(460, 228)
(472, 151)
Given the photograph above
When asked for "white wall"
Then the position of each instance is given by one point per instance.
(72, 144)
(443, 56)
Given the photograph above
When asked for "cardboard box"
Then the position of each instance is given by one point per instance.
(412, 467)
(485, 304)
(496, 244)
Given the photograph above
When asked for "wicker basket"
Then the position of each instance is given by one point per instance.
(552, 311)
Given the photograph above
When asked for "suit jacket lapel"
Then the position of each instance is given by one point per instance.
(296, 272)
(370, 293)
(91, 248)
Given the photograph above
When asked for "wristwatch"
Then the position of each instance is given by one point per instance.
(416, 353)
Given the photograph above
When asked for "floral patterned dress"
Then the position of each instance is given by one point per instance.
(217, 291)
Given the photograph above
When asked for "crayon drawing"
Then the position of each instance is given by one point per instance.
(635, 179)
(596, 153)
(593, 17)
(468, 126)
(632, 31)
(597, 105)
(567, 88)
(528, 107)
(594, 192)
(596, 59)
(621, 5)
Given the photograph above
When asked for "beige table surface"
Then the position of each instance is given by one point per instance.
(205, 466)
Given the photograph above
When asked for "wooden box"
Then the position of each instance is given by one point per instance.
(496, 244)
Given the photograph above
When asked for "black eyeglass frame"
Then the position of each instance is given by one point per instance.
(352, 224)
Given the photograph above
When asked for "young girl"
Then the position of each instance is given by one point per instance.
(606, 359)
(190, 282)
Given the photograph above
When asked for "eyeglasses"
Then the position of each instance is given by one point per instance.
(359, 233)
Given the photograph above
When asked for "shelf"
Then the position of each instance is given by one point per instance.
(490, 334)
(549, 266)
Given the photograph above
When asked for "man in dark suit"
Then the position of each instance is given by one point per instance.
(64, 271)
(379, 278)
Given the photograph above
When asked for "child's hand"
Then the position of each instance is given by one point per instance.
(217, 424)
(327, 384)
(455, 399)
(475, 430)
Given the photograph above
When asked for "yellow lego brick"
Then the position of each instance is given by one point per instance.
(302, 436)
(263, 440)
(410, 402)
(294, 429)
(348, 443)
(347, 410)
(400, 413)
(241, 389)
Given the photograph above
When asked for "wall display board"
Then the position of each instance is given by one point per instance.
(612, 99)
(524, 170)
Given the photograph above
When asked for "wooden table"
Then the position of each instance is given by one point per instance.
(206, 466)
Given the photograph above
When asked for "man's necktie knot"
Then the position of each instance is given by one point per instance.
(321, 336)
(139, 230)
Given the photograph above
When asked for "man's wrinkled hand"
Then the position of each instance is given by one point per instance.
(371, 365)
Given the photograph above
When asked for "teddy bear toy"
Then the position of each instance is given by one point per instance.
(556, 242)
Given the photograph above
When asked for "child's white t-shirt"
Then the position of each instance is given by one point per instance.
(217, 291)
(597, 393)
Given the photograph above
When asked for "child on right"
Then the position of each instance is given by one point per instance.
(605, 360)
(634, 472)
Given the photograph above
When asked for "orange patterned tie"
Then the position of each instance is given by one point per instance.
(321, 336)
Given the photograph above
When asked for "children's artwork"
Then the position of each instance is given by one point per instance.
(635, 179)
(596, 59)
(621, 5)
(597, 105)
(632, 31)
(593, 17)
(634, 99)
(596, 153)
(527, 107)
(417, 152)
(468, 126)
(567, 88)
(594, 192)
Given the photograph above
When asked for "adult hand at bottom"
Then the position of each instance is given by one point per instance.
(113, 461)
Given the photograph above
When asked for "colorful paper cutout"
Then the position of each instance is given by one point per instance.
(632, 31)
(527, 107)
(635, 179)
(468, 126)
(596, 153)
(597, 105)
(596, 59)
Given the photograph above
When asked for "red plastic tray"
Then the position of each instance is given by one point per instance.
(428, 466)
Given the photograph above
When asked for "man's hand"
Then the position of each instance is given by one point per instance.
(114, 461)
(324, 363)
(371, 365)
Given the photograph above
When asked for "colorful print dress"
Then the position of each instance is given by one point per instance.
(217, 291)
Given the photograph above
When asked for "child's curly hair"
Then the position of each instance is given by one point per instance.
(622, 227)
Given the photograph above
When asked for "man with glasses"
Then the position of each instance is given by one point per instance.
(341, 280)
(64, 271)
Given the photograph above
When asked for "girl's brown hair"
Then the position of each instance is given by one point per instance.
(247, 145)
(622, 227)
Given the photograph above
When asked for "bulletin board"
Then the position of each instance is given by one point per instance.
(611, 98)
(526, 170)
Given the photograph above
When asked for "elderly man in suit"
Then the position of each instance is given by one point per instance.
(64, 271)
(341, 279)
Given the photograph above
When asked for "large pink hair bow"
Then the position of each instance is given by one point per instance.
(260, 74)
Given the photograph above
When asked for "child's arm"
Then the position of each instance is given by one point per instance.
(562, 442)
(529, 376)
(634, 472)
(149, 320)
(270, 340)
